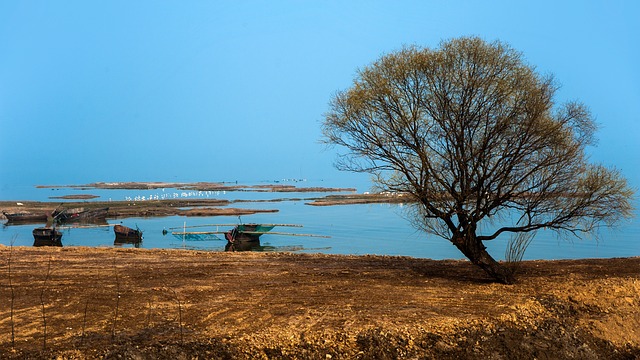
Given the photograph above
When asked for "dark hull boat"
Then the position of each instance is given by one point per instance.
(126, 235)
(25, 217)
(245, 237)
(60, 216)
(82, 215)
(47, 237)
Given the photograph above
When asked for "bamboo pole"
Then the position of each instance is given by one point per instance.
(288, 234)
(83, 227)
(247, 232)
(205, 225)
(196, 232)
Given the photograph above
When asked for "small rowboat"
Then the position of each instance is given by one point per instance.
(126, 234)
(25, 217)
(45, 236)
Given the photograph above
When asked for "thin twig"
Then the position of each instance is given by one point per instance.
(179, 315)
(84, 321)
(148, 313)
(13, 296)
(115, 315)
(44, 315)
(516, 248)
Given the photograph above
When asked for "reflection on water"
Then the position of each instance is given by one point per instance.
(120, 242)
(243, 245)
(256, 246)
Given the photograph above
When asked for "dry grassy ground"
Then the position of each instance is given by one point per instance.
(174, 304)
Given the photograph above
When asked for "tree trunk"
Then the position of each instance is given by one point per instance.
(475, 251)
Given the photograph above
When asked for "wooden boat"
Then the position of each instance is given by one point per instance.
(46, 236)
(245, 237)
(81, 215)
(126, 234)
(25, 217)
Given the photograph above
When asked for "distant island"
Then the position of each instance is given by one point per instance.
(75, 197)
(198, 186)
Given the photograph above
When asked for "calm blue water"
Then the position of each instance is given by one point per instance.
(353, 229)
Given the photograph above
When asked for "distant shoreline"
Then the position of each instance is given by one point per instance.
(75, 197)
(190, 207)
(197, 186)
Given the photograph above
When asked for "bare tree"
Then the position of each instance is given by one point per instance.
(472, 132)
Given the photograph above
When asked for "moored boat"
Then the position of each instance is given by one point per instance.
(245, 237)
(46, 236)
(82, 215)
(25, 217)
(126, 234)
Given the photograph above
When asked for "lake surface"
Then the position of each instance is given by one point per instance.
(353, 229)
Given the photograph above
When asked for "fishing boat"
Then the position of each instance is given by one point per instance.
(127, 235)
(81, 215)
(242, 237)
(245, 237)
(25, 217)
(46, 236)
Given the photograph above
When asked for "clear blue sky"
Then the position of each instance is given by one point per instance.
(236, 90)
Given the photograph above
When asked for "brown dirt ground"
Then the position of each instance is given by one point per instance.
(173, 304)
